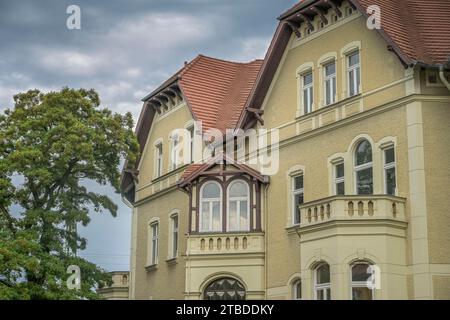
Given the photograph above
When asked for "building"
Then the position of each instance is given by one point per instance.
(118, 290)
(357, 205)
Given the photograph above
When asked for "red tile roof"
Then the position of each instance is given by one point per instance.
(217, 90)
(421, 29)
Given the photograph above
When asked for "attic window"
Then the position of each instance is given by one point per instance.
(349, 11)
(432, 77)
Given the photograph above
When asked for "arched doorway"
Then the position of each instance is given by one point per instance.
(224, 289)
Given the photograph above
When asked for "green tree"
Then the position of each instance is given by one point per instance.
(49, 145)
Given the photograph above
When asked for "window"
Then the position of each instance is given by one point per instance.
(159, 159)
(322, 286)
(363, 168)
(154, 234)
(307, 80)
(330, 83)
(361, 289)
(174, 152)
(225, 289)
(174, 235)
(339, 185)
(238, 206)
(211, 207)
(191, 144)
(297, 198)
(349, 11)
(389, 171)
(353, 73)
(297, 289)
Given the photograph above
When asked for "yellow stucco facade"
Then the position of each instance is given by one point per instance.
(406, 235)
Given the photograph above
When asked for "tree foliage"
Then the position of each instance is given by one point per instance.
(49, 145)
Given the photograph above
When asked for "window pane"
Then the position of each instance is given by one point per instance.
(238, 189)
(323, 274)
(358, 80)
(305, 101)
(232, 215)
(353, 59)
(340, 188)
(330, 69)
(390, 181)
(320, 295)
(328, 92)
(298, 290)
(328, 294)
(217, 224)
(307, 79)
(211, 190)
(244, 215)
(362, 294)
(359, 272)
(298, 200)
(364, 180)
(205, 216)
(298, 182)
(351, 78)
(389, 155)
(363, 153)
(339, 170)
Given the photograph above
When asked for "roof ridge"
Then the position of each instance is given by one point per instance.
(229, 61)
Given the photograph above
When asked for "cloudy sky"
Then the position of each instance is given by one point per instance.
(124, 49)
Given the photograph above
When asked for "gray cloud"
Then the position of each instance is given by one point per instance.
(124, 50)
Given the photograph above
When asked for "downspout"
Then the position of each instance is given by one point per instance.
(131, 295)
(266, 237)
(442, 77)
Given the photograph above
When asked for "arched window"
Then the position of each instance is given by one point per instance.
(297, 289)
(362, 287)
(322, 285)
(211, 207)
(224, 289)
(238, 217)
(363, 168)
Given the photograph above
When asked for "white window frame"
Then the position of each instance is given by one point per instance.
(295, 192)
(309, 89)
(324, 286)
(362, 167)
(353, 69)
(210, 213)
(294, 286)
(154, 243)
(330, 78)
(387, 166)
(158, 159)
(238, 207)
(174, 233)
(338, 179)
(359, 284)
